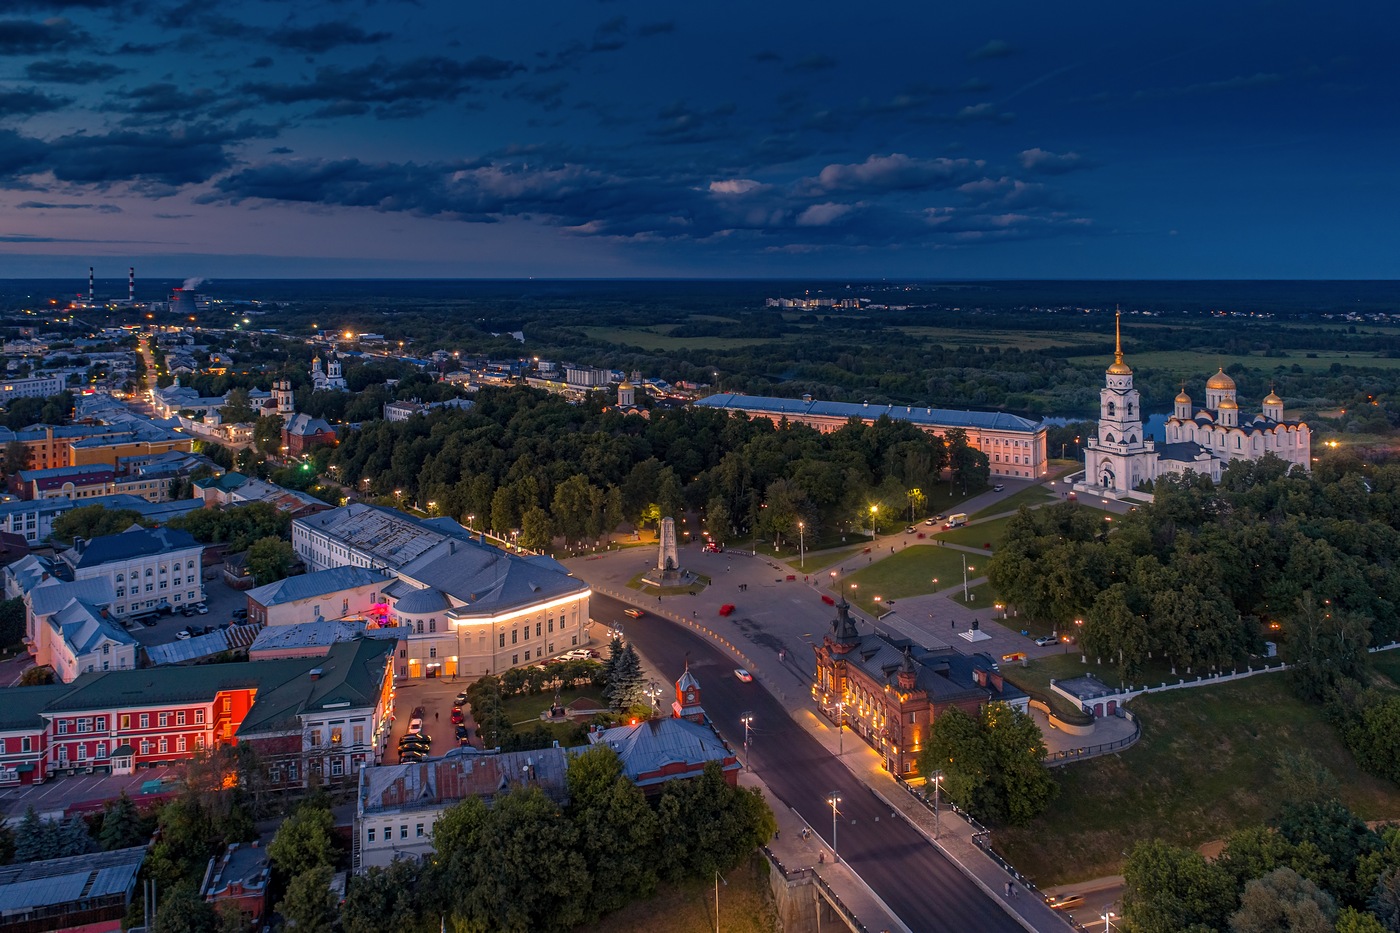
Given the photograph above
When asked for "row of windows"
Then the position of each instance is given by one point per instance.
(135, 572)
(99, 723)
(146, 747)
(420, 831)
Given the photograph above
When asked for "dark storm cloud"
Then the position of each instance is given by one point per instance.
(428, 79)
(18, 154)
(27, 37)
(184, 156)
(682, 123)
(141, 48)
(995, 48)
(64, 71)
(49, 206)
(322, 37)
(161, 99)
(1053, 163)
(26, 102)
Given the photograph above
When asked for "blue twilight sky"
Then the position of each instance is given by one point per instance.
(364, 138)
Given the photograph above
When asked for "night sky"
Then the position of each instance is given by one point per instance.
(451, 138)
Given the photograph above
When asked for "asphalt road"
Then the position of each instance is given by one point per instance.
(915, 880)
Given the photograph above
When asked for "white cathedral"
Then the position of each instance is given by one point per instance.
(1203, 440)
(328, 378)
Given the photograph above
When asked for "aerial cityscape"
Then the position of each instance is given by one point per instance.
(618, 467)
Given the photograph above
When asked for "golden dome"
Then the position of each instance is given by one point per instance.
(1272, 399)
(1220, 381)
(1182, 398)
(1228, 404)
(625, 385)
(1120, 368)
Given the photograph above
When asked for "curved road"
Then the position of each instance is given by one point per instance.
(916, 881)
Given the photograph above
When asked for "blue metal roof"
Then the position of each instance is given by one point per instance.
(311, 585)
(931, 417)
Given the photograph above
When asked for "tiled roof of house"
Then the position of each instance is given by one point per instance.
(350, 676)
(934, 417)
(132, 543)
(438, 781)
(654, 744)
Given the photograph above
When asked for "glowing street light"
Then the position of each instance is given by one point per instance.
(834, 799)
(801, 546)
(747, 720)
(937, 822)
(874, 512)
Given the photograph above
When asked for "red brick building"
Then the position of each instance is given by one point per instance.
(889, 690)
(303, 716)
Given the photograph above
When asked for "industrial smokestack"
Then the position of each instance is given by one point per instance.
(90, 296)
(131, 285)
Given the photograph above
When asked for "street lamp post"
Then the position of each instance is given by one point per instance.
(1108, 917)
(840, 727)
(801, 546)
(937, 821)
(718, 879)
(964, 557)
(653, 693)
(747, 720)
(834, 799)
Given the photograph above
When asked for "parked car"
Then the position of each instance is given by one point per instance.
(743, 675)
(415, 726)
(910, 530)
(240, 613)
(457, 717)
(460, 699)
(998, 487)
(182, 634)
(1044, 640)
(204, 610)
(634, 613)
(933, 521)
(462, 732)
(187, 612)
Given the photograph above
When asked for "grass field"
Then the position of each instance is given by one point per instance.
(958, 337)
(1031, 495)
(1204, 767)
(745, 906)
(650, 340)
(817, 562)
(1190, 363)
(979, 534)
(909, 572)
(524, 711)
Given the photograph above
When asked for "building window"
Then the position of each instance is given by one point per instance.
(432, 652)
(84, 725)
(199, 717)
(551, 623)
(337, 767)
(164, 720)
(148, 571)
(359, 735)
(199, 741)
(63, 727)
(164, 745)
(503, 639)
(335, 735)
(121, 591)
(403, 831)
(419, 628)
(420, 830)
(527, 654)
(126, 720)
(145, 746)
(369, 834)
(24, 744)
(228, 704)
(180, 718)
(180, 744)
(514, 636)
(539, 630)
(432, 625)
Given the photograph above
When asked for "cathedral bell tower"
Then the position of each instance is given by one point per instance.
(1120, 418)
(687, 705)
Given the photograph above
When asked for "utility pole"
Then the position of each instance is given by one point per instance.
(834, 799)
(747, 720)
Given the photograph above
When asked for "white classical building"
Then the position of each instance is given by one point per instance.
(150, 569)
(1121, 458)
(467, 608)
(329, 378)
(68, 628)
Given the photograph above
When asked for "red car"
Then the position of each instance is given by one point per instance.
(457, 717)
(726, 609)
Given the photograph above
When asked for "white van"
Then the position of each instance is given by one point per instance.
(956, 520)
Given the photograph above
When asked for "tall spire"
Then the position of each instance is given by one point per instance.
(1119, 368)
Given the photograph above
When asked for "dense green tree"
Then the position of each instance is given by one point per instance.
(303, 841)
(1283, 901)
(1384, 900)
(270, 559)
(237, 409)
(17, 455)
(626, 683)
(1324, 647)
(1351, 920)
(717, 519)
(1340, 837)
(35, 838)
(1167, 889)
(182, 910)
(11, 621)
(7, 845)
(536, 529)
(267, 434)
(617, 830)
(707, 826)
(123, 826)
(992, 764)
(309, 904)
(385, 899)
(37, 676)
(94, 521)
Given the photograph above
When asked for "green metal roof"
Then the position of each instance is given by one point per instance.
(20, 711)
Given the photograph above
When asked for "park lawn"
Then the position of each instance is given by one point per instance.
(983, 595)
(524, 711)
(816, 562)
(993, 337)
(650, 340)
(1204, 767)
(745, 906)
(1387, 664)
(1031, 495)
(988, 532)
(909, 572)
(1191, 364)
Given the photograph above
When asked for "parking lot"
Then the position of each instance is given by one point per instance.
(59, 793)
(220, 599)
(435, 695)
